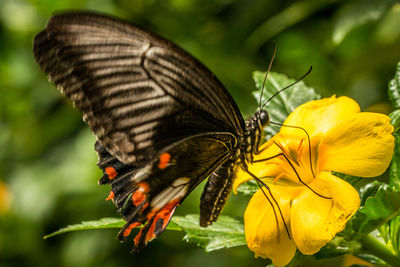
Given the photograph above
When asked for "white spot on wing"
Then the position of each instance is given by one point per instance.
(142, 174)
(178, 189)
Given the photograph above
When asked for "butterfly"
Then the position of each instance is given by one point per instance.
(163, 121)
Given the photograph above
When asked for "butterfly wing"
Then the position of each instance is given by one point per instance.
(163, 121)
(150, 195)
(139, 93)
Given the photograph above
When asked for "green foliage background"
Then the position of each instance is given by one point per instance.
(48, 167)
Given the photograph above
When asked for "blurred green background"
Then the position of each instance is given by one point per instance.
(48, 169)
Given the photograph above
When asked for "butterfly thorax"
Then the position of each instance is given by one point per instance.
(253, 133)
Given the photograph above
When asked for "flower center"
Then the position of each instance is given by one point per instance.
(296, 164)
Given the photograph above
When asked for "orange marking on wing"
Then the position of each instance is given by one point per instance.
(110, 196)
(145, 205)
(111, 172)
(150, 234)
(164, 160)
(144, 187)
(140, 194)
(138, 197)
(151, 214)
(129, 229)
(165, 214)
(137, 237)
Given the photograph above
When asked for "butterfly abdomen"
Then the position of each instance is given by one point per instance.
(216, 192)
(219, 184)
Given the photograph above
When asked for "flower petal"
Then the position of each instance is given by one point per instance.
(264, 237)
(318, 116)
(361, 145)
(316, 220)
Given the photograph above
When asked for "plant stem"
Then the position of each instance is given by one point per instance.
(377, 248)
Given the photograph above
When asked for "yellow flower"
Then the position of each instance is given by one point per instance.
(342, 139)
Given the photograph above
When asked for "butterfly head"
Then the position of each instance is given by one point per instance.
(262, 118)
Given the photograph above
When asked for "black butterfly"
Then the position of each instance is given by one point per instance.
(163, 121)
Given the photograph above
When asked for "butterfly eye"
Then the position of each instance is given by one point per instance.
(264, 117)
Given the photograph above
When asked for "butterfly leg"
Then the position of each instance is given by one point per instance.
(258, 150)
(282, 154)
(262, 185)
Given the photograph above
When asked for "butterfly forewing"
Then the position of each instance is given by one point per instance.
(139, 93)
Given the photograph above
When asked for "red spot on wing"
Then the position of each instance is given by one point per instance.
(140, 194)
(128, 230)
(111, 172)
(164, 160)
(137, 237)
(163, 217)
(145, 205)
(151, 214)
(110, 196)
(144, 187)
(158, 219)
(167, 211)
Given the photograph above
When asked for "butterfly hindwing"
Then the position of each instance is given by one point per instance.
(139, 93)
(150, 195)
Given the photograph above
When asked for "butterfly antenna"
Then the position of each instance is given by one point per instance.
(290, 85)
(266, 74)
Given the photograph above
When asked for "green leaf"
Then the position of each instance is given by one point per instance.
(285, 102)
(226, 232)
(89, 225)
(103, 223)
(378, 210)
(369, 190)
(248, 188)
(395, 118)
(394, 177)
(394, 92)
(373, 243)
(388, 30)
(371, 259)
(394, 227)
(355, 14)
(297, 259)
(338, 246)
(289, 16)
(353, 180)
